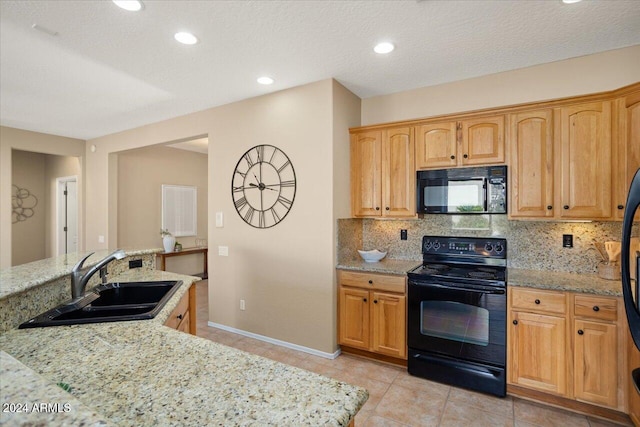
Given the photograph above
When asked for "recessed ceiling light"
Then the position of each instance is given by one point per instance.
(130, 5)
(570, 1)
(384, 47)
(264, 80)
(186, 38)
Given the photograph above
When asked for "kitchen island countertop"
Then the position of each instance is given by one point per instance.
(141, 373)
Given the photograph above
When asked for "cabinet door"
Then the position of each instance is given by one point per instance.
(399, 173)
(436, 145)
(389, 319)
(483, 141)
(583, 161)
(531, 168)
(537, 352)
(595, 362)
(366, 185)
(354, 317)
(185, 325)
(627, 148)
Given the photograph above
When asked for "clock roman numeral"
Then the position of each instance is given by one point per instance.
(284, 202)
(240, 203)
(276, 217)
(260, 151)
(248, 216)
(261, 219)
(291, 183)
(238, 189)
(244, 175)
(281, 168)
(247, 158)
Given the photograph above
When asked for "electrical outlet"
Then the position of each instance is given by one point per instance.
(242, 306)
(567, 240)
(135, 263)
(403, 234)
(223, 250)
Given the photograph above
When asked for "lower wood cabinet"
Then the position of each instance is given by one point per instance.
(568, 345)
(183, 317)
(372, 313)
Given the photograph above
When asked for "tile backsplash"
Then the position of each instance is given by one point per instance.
(535, 245)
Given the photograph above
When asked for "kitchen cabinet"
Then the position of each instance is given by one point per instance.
(466, 142)
(560, 162)
(183, 316)
(538, 340)
(372, 313)
(568, 345)
(626, 148)
(531, 164)
(383, 173)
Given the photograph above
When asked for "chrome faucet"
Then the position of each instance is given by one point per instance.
(80, 276)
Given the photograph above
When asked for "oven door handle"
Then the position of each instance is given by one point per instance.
(457, 288)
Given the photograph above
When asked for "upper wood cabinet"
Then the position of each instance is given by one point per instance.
(626, 149)
(531, 164)
(383, 173)
(460, 143)
(560, 162)
(583, 165)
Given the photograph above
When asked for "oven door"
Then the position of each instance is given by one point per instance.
(457, 320)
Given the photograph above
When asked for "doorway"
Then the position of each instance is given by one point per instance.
(67, 214)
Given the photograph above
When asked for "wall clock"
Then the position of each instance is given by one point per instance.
(263, 186)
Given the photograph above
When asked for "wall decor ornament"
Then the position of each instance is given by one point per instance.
(22, 204)
(263, 186)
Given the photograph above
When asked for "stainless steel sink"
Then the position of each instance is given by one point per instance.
(111, 302)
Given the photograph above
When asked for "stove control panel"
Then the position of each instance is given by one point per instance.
(468, 246)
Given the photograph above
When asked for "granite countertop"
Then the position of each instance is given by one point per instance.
(141, 373)
(563, 281)
(26, 276)
(388, 266)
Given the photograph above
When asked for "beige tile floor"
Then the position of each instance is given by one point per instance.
(397, 398)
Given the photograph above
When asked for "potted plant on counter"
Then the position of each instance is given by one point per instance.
(168, 241)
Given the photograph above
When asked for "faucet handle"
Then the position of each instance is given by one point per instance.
(78, 266)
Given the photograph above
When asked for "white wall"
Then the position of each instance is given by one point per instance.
(600, 72)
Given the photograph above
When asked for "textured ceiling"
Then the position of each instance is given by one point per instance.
(109, 70)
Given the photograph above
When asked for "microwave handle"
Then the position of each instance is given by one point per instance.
(486, 194)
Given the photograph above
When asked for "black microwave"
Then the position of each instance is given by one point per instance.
(479, 190)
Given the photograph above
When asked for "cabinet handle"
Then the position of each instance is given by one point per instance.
(465, 156)
(565, 207)
(180, 316)
(377, 208)
(364, 299)
(371, 282)
(387, 208)
(596, 308)
(537, 301)
(515, 322)
(549, 207)
(453, 157)
(620, 207)
(580, 332)
(375, 301)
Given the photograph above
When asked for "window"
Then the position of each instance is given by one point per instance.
(180, 209)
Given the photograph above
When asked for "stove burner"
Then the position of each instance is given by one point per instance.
(436, 267)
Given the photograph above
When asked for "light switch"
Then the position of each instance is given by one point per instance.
(219, 220)
(223, 250)
(100, 239)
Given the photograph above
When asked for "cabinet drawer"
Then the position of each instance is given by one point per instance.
(381, 282)
(179, 313)
(538, 300)
(594, 307)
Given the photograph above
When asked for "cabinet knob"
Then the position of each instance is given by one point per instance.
(180, 316)
(620, 207)
(371, 282)
(537, 301)
(387, 208)
(580, 332)
(565, 207)
(465, 156)
(364, 299)
(596, 308)
(515, 322)
(549, 207)
(375, 301)
(453, 157)
(377, 208)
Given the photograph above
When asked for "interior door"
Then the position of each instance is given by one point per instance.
(72, 216)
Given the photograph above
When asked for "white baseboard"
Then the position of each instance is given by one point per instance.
(276, 341)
